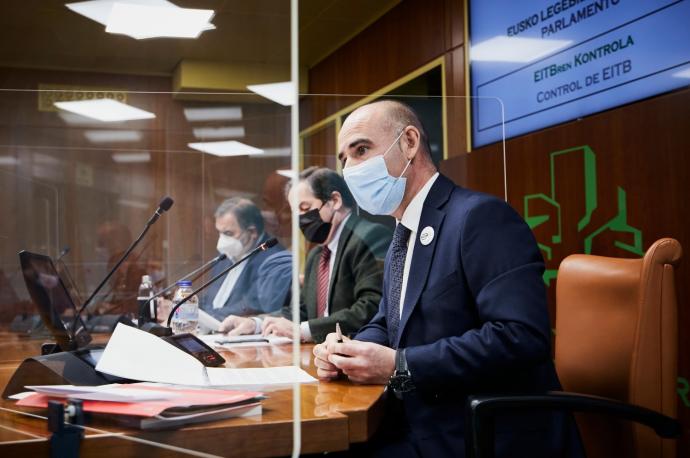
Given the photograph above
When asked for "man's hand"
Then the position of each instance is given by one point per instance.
(325, 369)
(363, 362)
(278, 326)
(237, 325)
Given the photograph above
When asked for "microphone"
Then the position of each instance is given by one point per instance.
(164, 206)
(145, 317)
(167, 331)
(65, 250)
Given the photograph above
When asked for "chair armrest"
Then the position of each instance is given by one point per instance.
(481, 411)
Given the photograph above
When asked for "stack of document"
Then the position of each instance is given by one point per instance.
(137, 355)
(149, 406)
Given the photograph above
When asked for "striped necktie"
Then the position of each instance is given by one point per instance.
(322, 280)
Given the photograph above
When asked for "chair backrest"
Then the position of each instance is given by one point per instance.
(617, 336)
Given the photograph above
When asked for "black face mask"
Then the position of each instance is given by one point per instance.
(313, 227)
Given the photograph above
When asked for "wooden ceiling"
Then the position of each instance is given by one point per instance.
(45, 34)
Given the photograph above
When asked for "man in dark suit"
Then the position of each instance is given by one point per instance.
(343, 272)
(240, 229)
(463, 308)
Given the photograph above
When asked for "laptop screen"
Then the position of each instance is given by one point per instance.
(53, 300)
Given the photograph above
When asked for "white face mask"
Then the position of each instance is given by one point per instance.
(230, 246)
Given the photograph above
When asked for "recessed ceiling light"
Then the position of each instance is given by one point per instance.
(156, 21)
(129, 158)
(218, 132)
(282, 93)
(112, 136)
(286, 173)
(276, 152)
(101, 11)
(195, 114)
(514, 49)
(8, 160)
(133, 203)
(78, 120)
(226, 148)
(105, 110)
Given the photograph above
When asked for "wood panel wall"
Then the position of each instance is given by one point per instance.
(641, 149)
(182, 238)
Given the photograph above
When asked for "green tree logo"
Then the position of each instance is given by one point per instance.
(542, 209)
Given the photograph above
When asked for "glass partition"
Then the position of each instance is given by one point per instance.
(80, 190)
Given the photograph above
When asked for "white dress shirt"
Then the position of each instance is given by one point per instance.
(410, 219)
(228, 285)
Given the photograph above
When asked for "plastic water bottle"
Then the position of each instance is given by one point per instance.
(143, 299)
(186, 317)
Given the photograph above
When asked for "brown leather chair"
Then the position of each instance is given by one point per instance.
(617, 344)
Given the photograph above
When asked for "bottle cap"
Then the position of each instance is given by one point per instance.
(183, 283)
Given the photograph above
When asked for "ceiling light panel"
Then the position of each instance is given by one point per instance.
(105, 110)
(225, 148)
(205, 114)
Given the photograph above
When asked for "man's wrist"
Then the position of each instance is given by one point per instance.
(305, 331)
(401, 380)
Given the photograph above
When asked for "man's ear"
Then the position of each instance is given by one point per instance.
(337, 200)
(411, 141)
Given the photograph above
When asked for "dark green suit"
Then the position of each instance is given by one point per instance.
(356, 281)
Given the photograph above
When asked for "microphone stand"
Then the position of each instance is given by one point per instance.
(164, 206)
(167, 330)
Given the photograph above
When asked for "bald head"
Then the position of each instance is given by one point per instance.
(393, 131)
(394, 116)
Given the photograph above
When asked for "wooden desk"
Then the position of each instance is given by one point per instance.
(334, 415)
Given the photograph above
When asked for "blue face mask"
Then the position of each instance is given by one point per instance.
(372, 186)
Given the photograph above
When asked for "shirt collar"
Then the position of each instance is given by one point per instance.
(413, 212)
(333, 244)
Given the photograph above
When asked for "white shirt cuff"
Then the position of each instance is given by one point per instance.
(305, 332)
(257, 324)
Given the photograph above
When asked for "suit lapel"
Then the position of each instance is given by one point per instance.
(423, 254)
(344, 239)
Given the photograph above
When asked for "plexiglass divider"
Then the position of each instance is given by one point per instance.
(80, 190)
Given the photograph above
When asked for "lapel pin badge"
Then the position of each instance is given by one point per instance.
(427, 235)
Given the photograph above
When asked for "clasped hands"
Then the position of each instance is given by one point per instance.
(361, 362)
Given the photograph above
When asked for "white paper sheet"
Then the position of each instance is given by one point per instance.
(138, 355)
(111, 393)
(135, 354)
(259, 379)
(207, 322)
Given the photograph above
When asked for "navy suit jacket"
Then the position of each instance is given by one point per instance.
(474, 320)
(246, 297)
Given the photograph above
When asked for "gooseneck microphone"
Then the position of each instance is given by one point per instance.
(263, 247)
(164, 206)
(65, 251)
(193, 275)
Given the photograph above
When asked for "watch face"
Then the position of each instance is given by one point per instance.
(401, 383)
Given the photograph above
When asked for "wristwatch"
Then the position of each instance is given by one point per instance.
(401, 380)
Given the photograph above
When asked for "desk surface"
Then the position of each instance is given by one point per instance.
(334, 415)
